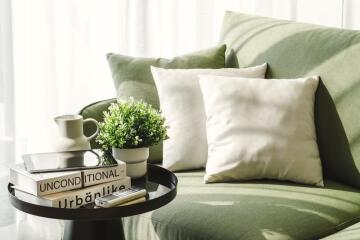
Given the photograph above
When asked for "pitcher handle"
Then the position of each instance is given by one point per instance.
(97, 127)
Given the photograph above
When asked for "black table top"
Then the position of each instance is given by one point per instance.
(160, 184)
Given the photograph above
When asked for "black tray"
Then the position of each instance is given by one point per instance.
(105, 223)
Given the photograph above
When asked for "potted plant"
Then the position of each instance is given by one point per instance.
(128, 129)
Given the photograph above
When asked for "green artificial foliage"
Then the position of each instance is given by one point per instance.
(131, 124)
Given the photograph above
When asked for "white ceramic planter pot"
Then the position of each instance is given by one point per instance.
(135, 159)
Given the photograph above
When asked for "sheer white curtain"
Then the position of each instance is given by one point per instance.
(6, 88)
(52, 52)
(59, 61)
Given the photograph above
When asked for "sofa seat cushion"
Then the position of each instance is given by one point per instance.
(349, 233)
(248, 210)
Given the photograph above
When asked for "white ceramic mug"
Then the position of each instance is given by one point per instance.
(71, 133)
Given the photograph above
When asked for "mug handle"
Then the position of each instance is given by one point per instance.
(97, 127)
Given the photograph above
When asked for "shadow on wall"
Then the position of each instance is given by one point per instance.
(296, 50)
(242, 216)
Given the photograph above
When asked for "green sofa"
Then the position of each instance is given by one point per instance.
(273, 209)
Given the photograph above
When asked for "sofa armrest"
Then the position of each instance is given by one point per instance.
(95, 110)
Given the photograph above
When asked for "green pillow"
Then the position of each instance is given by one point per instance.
(132, 76)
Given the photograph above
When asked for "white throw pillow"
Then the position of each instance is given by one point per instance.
(182, 106)
(261, 128)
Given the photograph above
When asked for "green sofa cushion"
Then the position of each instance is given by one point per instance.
(250, 210)
(132, 76)
(296, 50)
(350, 233)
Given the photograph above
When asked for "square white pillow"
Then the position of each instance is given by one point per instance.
(261, 128)
(182, 106)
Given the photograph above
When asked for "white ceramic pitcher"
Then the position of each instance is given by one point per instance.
(71, 133)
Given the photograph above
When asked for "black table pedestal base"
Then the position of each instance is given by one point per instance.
(93, 230)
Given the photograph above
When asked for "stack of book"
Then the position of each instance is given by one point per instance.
(68, 189)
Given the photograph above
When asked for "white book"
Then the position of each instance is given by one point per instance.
(41, 184)
(74, 198)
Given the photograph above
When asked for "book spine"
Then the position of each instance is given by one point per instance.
(77, 198)
(59, 184)
(41, 184)
(101, 175)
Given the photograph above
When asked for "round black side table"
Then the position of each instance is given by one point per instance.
(105, 223)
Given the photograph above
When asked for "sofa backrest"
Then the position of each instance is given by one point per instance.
(295, 50)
